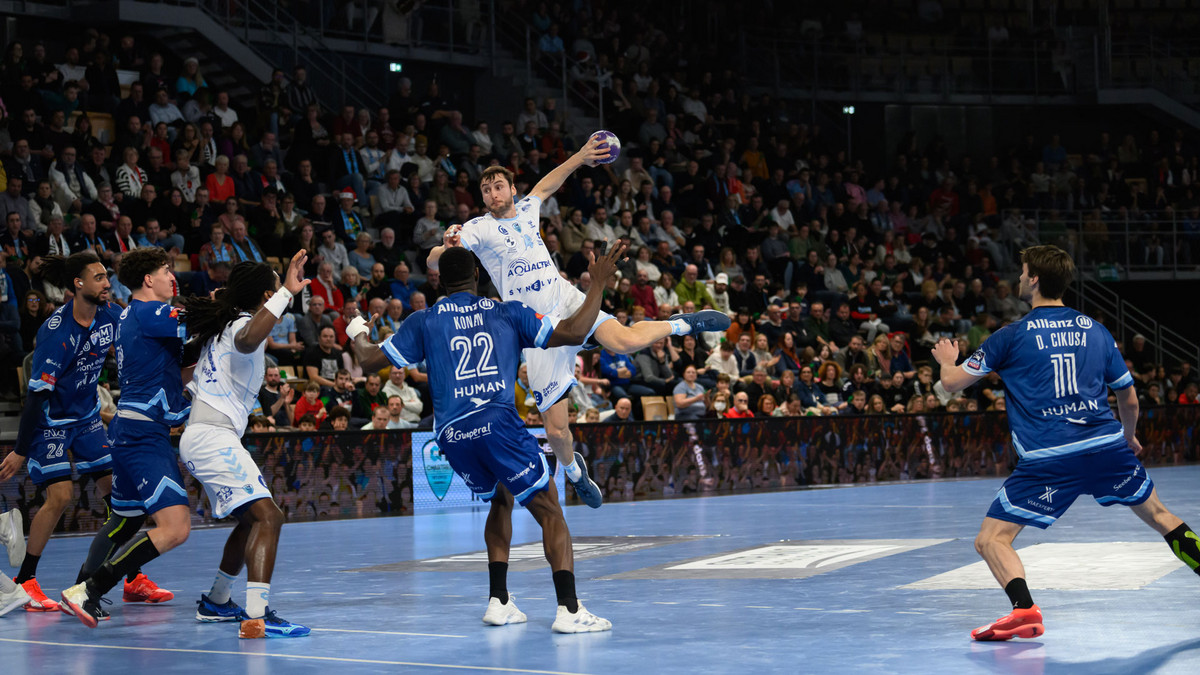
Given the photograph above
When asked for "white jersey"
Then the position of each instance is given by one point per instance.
(514, 255)
(227, 380)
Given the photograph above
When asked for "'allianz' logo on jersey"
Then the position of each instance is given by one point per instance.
(1046, 323)
(482, 303)
(522, 266)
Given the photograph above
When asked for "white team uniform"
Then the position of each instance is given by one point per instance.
(514, 255)
(224, 389)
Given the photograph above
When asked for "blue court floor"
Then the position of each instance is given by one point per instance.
(876, 579)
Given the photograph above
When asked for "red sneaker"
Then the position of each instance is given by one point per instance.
(38, 602)
(1022, 623)
(141, 589)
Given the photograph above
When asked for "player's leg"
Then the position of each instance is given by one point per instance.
(266, 521)
(58, 492)
(551, 376)
(994, 545)
(497, 534)
(572, 617)
(1184, 542)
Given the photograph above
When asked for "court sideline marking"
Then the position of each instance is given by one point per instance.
(293, 656)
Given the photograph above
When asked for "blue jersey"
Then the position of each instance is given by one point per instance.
(67, 363)
(472, 349)
(1058, 366)
(149, 356)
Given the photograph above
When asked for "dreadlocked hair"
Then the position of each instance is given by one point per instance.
(208, 317)
(61, 272)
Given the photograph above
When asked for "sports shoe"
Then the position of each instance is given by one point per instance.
(12, 537)
(208, 611)
(582, 621)
(585, 487)
(12, 595)
(141, 589)
(271, 626)
(100, 613)
(1022, 623)
(82, 606)
(502, 614)
(38, 602)
(705, 321)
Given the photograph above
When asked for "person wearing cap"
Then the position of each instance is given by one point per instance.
(720, 294)
(346, 220)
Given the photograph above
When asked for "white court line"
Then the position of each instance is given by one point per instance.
(383, 632)
(290, 656)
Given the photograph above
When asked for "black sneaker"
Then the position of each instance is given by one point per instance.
(705, 321)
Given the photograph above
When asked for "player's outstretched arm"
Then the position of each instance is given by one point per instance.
(588, 154)
(253, 334)
(369, 355)
(953, 378)
(574, 329)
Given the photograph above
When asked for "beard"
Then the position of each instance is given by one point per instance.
(96, 299)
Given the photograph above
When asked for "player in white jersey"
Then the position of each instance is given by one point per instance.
(507, 240)
(233, 327)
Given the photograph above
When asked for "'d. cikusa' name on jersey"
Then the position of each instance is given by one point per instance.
(1057, 366)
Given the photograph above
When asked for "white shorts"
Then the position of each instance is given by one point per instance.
(552, 371)
(216, 457)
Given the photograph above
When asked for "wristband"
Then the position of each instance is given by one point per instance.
(279, 302)
(356, 327)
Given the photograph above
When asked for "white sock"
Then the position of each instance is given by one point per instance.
(680, 327)
(257, 596)
(222, 586)
(574, 473)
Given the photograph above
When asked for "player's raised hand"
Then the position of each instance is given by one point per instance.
(294, 279)
(603, 268)
(453, 236)
(945, 352)
(591, 152)
(360, 326)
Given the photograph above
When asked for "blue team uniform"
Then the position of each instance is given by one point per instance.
(67, 363)
(1058, 366)
(472, 346)
(149, 355)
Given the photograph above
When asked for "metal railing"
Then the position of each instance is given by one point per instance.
(1126, 320)
(1157, 245)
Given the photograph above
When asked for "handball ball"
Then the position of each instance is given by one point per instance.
(608, 140)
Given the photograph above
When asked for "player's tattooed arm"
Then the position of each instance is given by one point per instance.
(574, 329)
(253, 334)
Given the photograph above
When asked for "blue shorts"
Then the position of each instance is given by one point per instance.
(492, 447)
(86, 441)
(146, 474)
(1037, 493)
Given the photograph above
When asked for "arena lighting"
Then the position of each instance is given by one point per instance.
(396, 66)
(846, 109)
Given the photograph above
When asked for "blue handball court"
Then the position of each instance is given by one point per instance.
(878, 579)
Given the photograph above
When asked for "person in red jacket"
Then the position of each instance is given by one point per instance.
(741, 407)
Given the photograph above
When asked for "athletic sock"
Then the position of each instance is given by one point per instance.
(1018, 594)
(680, 327)
(112, 535)
(564, 588)
(132, 575)
(222, 587)
(1185, 544)
(257, 599)
(498, 581)
(28, 568)
(573, 471)
(130, 557)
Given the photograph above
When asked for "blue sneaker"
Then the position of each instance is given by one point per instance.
(705, 321)
(271, 626)
(585, 487)
(208, 611)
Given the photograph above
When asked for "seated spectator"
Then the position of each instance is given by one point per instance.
(741, 407)
(689, 397)
(310, 406)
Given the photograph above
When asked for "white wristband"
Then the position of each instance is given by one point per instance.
(279, 303)
(356, 327)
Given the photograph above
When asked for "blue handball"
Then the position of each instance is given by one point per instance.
(608, 140)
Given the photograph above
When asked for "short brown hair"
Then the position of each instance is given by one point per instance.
(1052, 266)
(491, 172)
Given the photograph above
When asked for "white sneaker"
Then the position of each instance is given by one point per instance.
(12, 536)
(12, 595)
(502, 614)
(582, 621)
